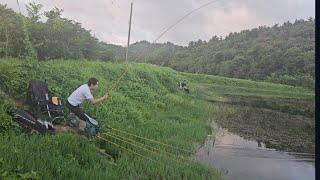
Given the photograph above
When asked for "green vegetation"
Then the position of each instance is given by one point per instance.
(146, 102)
(47, 157)
(6, 124)
(55, 38)
(278, 130)
(280, 54)
(281, 116)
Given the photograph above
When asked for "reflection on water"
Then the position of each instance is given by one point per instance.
(237, 158)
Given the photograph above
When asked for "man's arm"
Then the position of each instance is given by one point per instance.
(98, 100)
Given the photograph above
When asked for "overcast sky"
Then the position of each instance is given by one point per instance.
(108, 19)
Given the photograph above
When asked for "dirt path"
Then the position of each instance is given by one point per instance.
(60, 128)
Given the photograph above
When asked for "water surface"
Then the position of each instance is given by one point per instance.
(238, 158)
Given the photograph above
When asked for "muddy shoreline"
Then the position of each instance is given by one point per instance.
(276, 129)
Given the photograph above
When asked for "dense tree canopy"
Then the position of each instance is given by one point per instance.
(284, 54)
(53, 38)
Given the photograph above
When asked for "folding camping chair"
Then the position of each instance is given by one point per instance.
(43, 102)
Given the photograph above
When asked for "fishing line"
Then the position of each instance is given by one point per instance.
(147, 150)
(151, 140)
(155, 150)
(104, 139)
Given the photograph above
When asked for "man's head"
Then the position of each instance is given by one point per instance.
(93, 83)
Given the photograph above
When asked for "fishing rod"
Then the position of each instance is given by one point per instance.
(182, 18)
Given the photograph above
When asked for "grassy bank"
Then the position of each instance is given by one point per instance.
(146, 102)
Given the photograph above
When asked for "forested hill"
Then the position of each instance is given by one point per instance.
(51, 36)
(282, 53)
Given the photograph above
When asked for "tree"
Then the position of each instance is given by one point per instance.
(55, 13)
(34, 11)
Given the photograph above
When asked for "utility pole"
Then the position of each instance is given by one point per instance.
(128, 44)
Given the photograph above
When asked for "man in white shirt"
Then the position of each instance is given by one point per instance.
(81, 94)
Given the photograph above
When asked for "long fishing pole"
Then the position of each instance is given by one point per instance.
(126, 56)
(182, 18)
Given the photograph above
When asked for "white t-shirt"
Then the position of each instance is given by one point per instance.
(79, 95)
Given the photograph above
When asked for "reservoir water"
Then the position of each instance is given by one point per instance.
(239, 159)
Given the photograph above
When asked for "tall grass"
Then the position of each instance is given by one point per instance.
(146, 102)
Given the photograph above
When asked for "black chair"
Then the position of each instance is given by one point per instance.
(40, 98)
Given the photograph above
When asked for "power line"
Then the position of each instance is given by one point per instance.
(182, 18)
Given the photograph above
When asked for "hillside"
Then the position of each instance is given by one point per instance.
(281, 53)
(148, 103)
